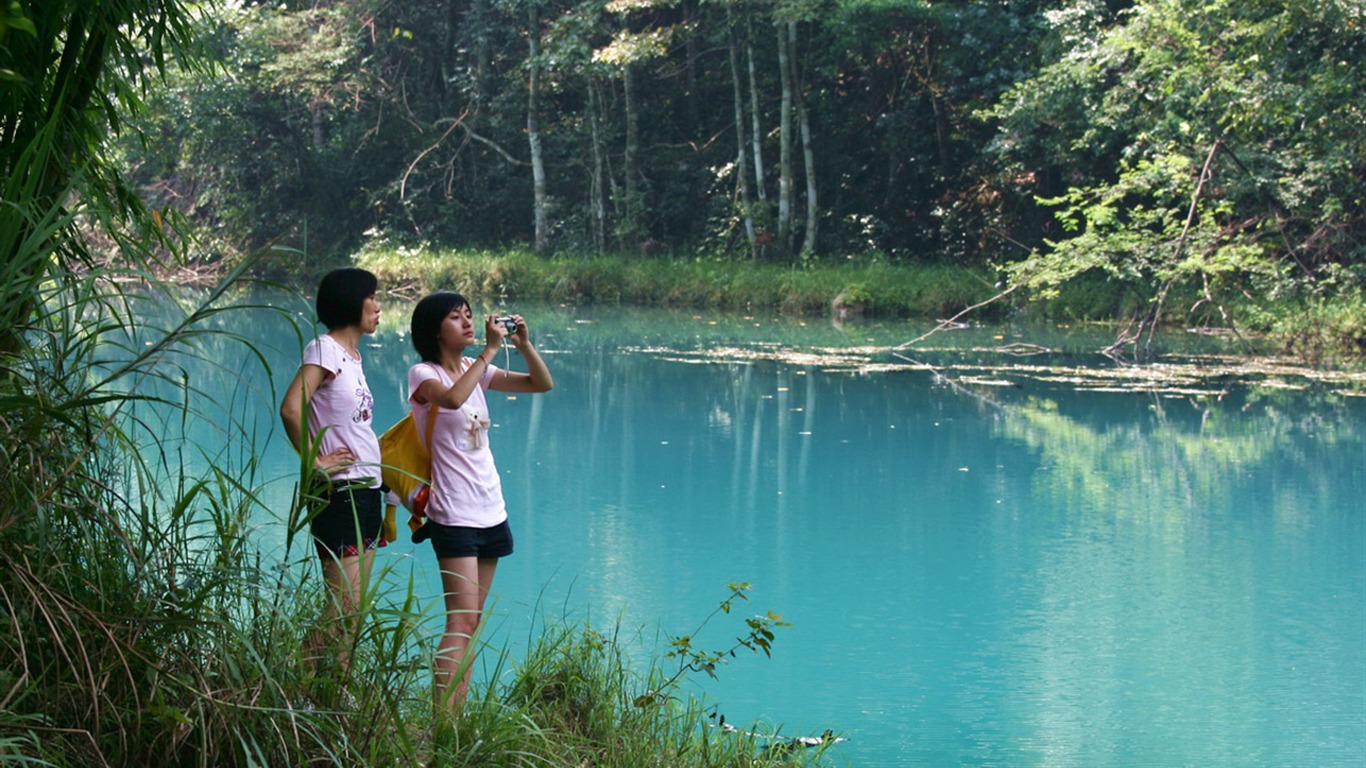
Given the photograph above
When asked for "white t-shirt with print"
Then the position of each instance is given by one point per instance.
(466, 487)
(344, 405)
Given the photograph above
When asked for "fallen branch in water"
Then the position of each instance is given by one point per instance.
(953, 321)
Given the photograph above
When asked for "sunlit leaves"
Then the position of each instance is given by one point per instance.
(314, 54)
(1203, 142)
(626, 6)
(798, 10)
(630, 47)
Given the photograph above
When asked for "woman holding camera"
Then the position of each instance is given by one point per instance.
(467, 520)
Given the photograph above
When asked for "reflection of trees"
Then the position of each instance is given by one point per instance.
(1183, 452)
(1173, 535)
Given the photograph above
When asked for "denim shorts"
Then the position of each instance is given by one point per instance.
(350, 509)
(463, 541)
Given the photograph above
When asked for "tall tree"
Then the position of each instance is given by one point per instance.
(1211, 146)
(71, 72)
(785, 138)
(533, 130)
(628, 50)
(738, 104)
(787, 14)
(813, 209)
(581, 86)
(755, 114)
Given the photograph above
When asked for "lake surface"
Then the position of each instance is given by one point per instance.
(994, 548)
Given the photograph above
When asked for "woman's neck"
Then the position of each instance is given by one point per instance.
(453, 359)
(348, 337)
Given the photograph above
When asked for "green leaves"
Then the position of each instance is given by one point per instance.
(629, 47)
(691, 658)
(12, 21)
(1196, 137)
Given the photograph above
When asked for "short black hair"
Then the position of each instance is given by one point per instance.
(426, 324)
(342, 294)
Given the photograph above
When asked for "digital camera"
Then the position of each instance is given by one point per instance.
(507, 323)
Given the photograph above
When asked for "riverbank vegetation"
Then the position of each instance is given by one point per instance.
(857, 287)
(1315, 328)
(149, 617)
(1142, 161)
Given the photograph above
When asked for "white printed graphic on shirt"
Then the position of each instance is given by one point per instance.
(473, 436)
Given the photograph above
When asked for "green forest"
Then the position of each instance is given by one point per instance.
(1196, 160)
(1145, 162)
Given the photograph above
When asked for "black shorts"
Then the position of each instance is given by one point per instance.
(350, 510)
(463, 541)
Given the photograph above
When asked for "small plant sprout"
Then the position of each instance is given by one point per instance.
(694, 659)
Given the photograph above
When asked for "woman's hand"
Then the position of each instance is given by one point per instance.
(519, 338)
(494, 333)
(537, 378)
(336, 461)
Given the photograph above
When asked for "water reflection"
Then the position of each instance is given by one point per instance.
(984, 564)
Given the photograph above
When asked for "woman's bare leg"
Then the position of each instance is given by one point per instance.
(465, 581)
(347, 579)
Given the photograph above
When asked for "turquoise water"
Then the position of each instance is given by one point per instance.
(1006, 560)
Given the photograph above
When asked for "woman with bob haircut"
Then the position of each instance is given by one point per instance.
(330, 390)
(467, 520)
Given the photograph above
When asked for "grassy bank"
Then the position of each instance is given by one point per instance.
(1314, 327)
(870, 286)
(147, 620)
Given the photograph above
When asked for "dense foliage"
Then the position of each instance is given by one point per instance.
(1211, 147)
(775, 129)
(1215, 146)
(68, 76)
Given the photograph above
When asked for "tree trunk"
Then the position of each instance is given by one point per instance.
(464, 28)
(808, 152)
(315, 106)
(596, 193)
(449, 62)
(785, 145)
(319, 135)
(632, 235)
(757, 128)
(481, 22)
(741, 171)
(533, 132)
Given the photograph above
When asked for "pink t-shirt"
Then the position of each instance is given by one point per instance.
(466, 488)
(344, 405)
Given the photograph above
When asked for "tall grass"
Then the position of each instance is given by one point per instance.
(143, 625)
(141, 622)
(577, 698)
